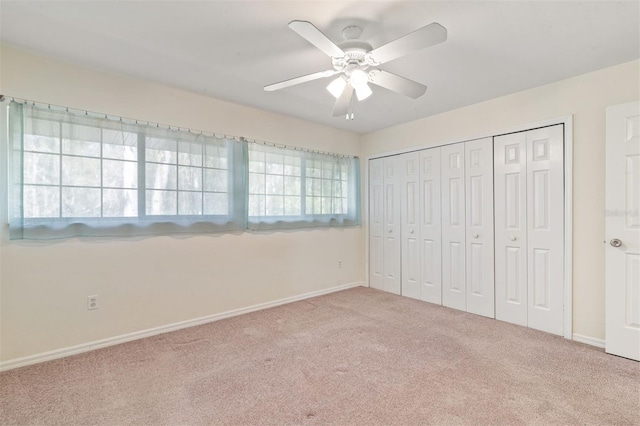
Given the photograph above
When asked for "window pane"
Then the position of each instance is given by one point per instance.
(80, 171)
(314, 187)
(292, 206)
(81, 133)
(119, 203)
(292, 185)
(190, 203)
(216, 156)
(161, 176)
(190, 154)
(161, 202)
(292, 166)
(275, 206)
(190, 178)
(216, 204)
(256, 165)
(119, 174)
(313, 205)
(161, 150)
(314, 169)
(326, 188)
(73, 147)
(329, 171)
(80, 202)
(274, 184)
(257, 205)
(327, 202)
(215, 180)
(41, 143)
(274, 163)
(41, 135)
(256, 183)
(41, 168)
(41, 201)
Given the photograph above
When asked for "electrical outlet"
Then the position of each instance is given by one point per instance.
(92, 302)
(339, 263)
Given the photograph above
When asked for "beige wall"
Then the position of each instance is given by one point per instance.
(150, 282)
(585, 97)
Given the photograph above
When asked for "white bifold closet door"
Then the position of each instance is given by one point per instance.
(479, 226)
(430, 226)
(409, 168)
(529, 225)
(384, 224)
(376, 224)
(391, 225)
(454, 293)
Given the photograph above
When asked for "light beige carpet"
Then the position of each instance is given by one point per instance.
(359, 356)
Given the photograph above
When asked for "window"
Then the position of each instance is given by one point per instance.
(82, 175)
(78, 171)
(186, 177)
(290, 188)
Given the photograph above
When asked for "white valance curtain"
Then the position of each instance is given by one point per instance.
(74, 175)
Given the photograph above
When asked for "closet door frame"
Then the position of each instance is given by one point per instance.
(567, 121)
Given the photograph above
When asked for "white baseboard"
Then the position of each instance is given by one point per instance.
(97, 344)
(599, 343)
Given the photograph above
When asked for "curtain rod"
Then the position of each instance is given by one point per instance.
(150, 123)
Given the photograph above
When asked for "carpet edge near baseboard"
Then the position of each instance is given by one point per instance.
(136, 335)
(593, 341)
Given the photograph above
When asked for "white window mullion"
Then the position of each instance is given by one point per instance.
(303, 189)
(141, 175)
(61, 171)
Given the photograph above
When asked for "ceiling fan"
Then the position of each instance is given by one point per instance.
(356, 62)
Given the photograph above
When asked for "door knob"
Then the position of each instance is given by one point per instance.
(475, 235)
(615, 242)
(390, 231)
(411, 231)
(512, 238)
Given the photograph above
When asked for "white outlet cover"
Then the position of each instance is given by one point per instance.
(92, 302)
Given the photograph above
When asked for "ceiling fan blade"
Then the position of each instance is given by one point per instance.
(298, 80)
(396, 83)
(419, 39)
(309, 32)
(342, 103)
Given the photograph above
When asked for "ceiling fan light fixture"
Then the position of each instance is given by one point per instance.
(358, 79)
(363, 92)
(336, 87)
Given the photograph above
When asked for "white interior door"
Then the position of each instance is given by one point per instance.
(453, 226)
(623, 230)
(410, 226)
(430, 226)
(391, 229)
(479, 226)
(376, 224)
(510, 174)
(545, 229)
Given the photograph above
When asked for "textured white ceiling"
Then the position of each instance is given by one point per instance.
(231, 49)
